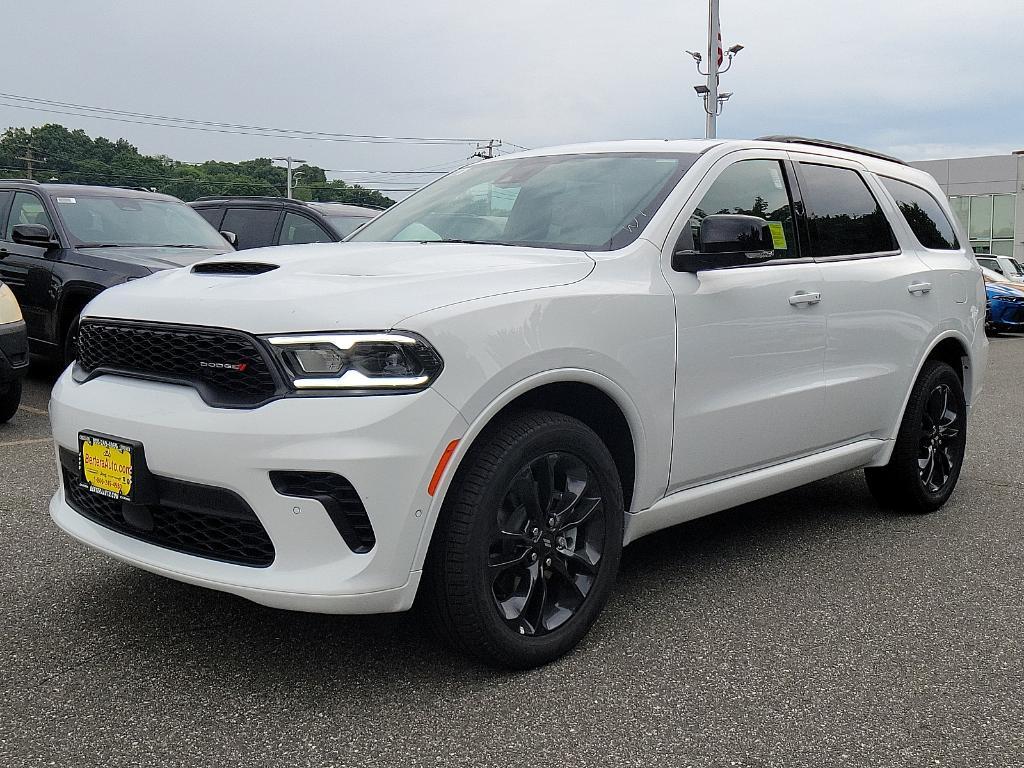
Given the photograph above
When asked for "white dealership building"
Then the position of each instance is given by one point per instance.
(986, 193)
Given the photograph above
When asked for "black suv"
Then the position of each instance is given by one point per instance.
(260, 221)
(61, 244)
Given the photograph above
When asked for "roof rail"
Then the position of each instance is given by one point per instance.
(21, 181)
(831, 145)
(245, 197)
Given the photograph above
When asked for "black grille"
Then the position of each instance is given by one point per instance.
(195, 519)
(226, 367)
(338, 497)
(233, 268)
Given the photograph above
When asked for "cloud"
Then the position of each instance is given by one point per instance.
(915, 75)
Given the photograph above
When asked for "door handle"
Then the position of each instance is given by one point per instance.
(805, 297)
(921, 288)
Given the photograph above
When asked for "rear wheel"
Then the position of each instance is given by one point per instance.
(528, 545)
(929, 451)
(10, 399)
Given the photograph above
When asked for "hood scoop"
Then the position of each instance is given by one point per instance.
(241, 268)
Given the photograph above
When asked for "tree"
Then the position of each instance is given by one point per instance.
(75, 158)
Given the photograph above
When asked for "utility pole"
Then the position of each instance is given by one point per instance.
(486, 151)
(290, 160)
(28, 161)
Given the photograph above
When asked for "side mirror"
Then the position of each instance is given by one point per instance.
(231, 237)
(727, 240)
(33, 234)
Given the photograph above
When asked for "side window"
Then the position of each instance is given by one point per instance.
(753, 188)
(212, 215)
(27, 209)
(301, 229)
(924, 215)
(254, 226)
(990, 264)
(843, 215)
(5, 203)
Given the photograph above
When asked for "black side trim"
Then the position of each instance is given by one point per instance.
(338, 497)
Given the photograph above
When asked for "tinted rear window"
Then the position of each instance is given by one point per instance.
(844, 217)
(924, 215)
(254, 227)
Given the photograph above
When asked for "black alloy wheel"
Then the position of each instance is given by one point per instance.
(939, 441)
(547, 544)
(525, 552)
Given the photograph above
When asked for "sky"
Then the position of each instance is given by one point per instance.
(920, 79)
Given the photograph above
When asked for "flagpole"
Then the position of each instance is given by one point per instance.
(711, 99)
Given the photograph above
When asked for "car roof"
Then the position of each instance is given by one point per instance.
(283, 202)
(873, 161)
(344, 209)
(85, 190)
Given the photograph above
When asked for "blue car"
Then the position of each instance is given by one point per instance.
(1005, 307)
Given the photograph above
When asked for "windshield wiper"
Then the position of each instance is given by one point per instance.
(181, 245)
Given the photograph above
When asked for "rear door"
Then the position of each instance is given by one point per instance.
(298, 228)
(881, 302)
(750, 340)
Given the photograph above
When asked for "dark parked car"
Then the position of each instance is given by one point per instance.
(260, 221)
(61, 244)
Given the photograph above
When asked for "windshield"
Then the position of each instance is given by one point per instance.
(346, 225)
(590, 202)
(135, 221)
(1017, 266)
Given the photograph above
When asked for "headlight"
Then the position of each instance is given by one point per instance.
(354, 361)
(10, 312)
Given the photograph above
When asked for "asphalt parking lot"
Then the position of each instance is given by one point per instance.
(808, 629)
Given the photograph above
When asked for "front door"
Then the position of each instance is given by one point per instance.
(27, 268)
(750, 342)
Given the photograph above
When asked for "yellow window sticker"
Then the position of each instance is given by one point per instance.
(778, 235)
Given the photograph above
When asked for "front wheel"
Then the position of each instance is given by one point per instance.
(929, 451)
(529, 540)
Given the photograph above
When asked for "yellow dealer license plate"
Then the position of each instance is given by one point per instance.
(106, 466)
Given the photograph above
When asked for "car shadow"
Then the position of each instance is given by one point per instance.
(244, 648)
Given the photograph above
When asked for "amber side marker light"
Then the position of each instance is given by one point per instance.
(441, 464)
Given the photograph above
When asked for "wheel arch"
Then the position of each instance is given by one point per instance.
(73, 299)
(589, 396)
(950, 347)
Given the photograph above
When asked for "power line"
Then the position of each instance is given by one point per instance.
(124, 116)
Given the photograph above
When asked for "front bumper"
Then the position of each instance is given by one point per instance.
(13, 351)
(1007, 315)
(386, 446)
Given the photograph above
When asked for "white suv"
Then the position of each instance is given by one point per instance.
(485, 393)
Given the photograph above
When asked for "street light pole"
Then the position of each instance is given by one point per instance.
(710, 128)
(713, 99)
(289, 160)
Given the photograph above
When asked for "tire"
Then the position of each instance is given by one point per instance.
(69, 346)
(929, 452)
(10, 399)
(521, 586)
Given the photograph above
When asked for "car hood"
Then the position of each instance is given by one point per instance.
(155, 258)
(995, 290)
(339, 286)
